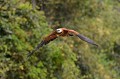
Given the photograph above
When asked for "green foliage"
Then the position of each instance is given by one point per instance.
(23, 26)
(19, 25)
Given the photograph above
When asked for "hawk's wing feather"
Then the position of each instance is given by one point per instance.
(38, 46)
(49, 38)
(82, 37)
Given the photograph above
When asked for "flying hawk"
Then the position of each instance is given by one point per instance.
(61, 32)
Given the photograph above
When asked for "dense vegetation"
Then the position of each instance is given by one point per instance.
(24, 23)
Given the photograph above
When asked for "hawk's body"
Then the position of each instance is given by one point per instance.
(65, 32)
(62, 32)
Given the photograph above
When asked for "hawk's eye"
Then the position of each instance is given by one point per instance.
(59, 30)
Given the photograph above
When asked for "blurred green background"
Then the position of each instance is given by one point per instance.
(24, 23)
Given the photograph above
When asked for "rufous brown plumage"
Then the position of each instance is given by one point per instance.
(61, 32)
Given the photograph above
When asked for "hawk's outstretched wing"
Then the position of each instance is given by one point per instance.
(82, 37)
(87, 39)
(49, 38)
